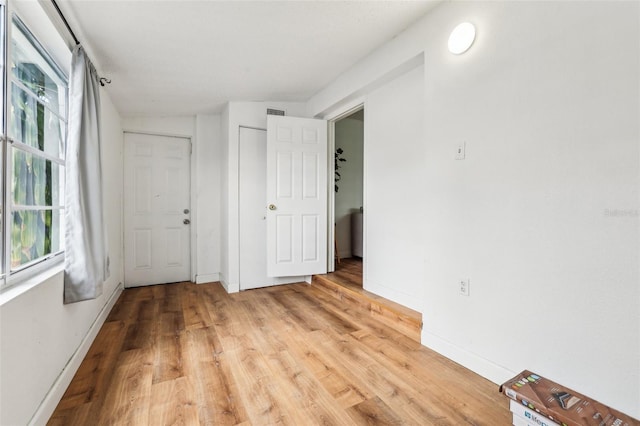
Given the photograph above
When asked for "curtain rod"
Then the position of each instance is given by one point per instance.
(102, 80)
(64, 21)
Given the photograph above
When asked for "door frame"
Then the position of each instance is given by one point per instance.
(237, 189)
(332, 117)
(192, 196)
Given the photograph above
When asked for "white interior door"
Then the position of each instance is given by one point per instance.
(157, 247)
(253, 211)
(296, 196)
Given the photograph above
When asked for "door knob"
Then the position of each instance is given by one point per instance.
(272, 206)
(186, 221)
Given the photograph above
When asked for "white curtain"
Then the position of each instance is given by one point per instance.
(86, 255)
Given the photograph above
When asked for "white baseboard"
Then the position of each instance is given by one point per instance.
(228, 287)
(53, 397)
(207, 278)
(394, 295)
(479, 365)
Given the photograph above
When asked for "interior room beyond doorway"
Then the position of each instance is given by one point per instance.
(348, 205)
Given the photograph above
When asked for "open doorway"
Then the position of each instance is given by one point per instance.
(348, 201)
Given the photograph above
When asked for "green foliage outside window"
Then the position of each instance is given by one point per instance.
(31, 229)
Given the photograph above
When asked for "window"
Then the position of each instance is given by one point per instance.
(33, 174)
(3, 108)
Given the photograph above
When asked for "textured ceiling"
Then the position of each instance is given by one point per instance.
(187, 57)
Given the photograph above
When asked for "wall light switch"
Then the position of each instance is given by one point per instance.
(460, 151)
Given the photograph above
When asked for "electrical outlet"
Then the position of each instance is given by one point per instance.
(464, 287)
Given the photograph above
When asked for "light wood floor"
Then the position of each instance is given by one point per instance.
(193, 354)
(345, 284)
(348, 272)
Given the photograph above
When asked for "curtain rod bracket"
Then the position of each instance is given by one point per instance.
(103, 81)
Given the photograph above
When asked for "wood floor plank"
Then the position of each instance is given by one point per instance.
(308, 310)
(364, 320)
(373, 412)
(77, 416)
(217, 397)
(195, 312)
(140, 335)
(250, 371)
(94, 374)
(326, 369)
(310, 396)
(172, 403)
(123, 309)
(129, 397)
(168, 359)
(345, 284)
(397, 392)
(170, 323)
(293, 355)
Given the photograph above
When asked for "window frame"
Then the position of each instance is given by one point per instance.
(4, 60)
(11, 277)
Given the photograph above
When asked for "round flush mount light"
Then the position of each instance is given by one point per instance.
(462, 38)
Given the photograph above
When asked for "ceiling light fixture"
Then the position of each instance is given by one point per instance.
(462, 38)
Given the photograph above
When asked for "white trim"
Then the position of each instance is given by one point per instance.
(474, 362)
(332, 117)
(53, 397)
(193, 206)
(331, 194)
(168, 135)
(23, 281)
(225, 284)
(345, 110)
(252, 127)
(207, 278)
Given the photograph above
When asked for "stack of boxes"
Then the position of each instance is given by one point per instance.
(536, 401)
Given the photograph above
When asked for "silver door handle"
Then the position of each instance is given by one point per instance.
(186, 221)
(272, 206)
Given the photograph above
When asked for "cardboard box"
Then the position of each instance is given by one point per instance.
(561, 404)
(519, 421)
(533, 418)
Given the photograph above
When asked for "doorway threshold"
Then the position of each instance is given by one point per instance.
(344, 286)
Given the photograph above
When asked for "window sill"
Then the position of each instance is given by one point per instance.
(21, 286)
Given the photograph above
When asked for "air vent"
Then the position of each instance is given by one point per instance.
(271, 111)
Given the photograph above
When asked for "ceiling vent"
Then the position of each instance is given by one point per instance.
(271, 111)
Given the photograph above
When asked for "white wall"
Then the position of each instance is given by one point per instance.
(208, 161)
(224, 198)
(349, 135)
(550, 120)
(542, 216)
(250, 114)
(394, 179)
(184, 126)
(42, 340)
